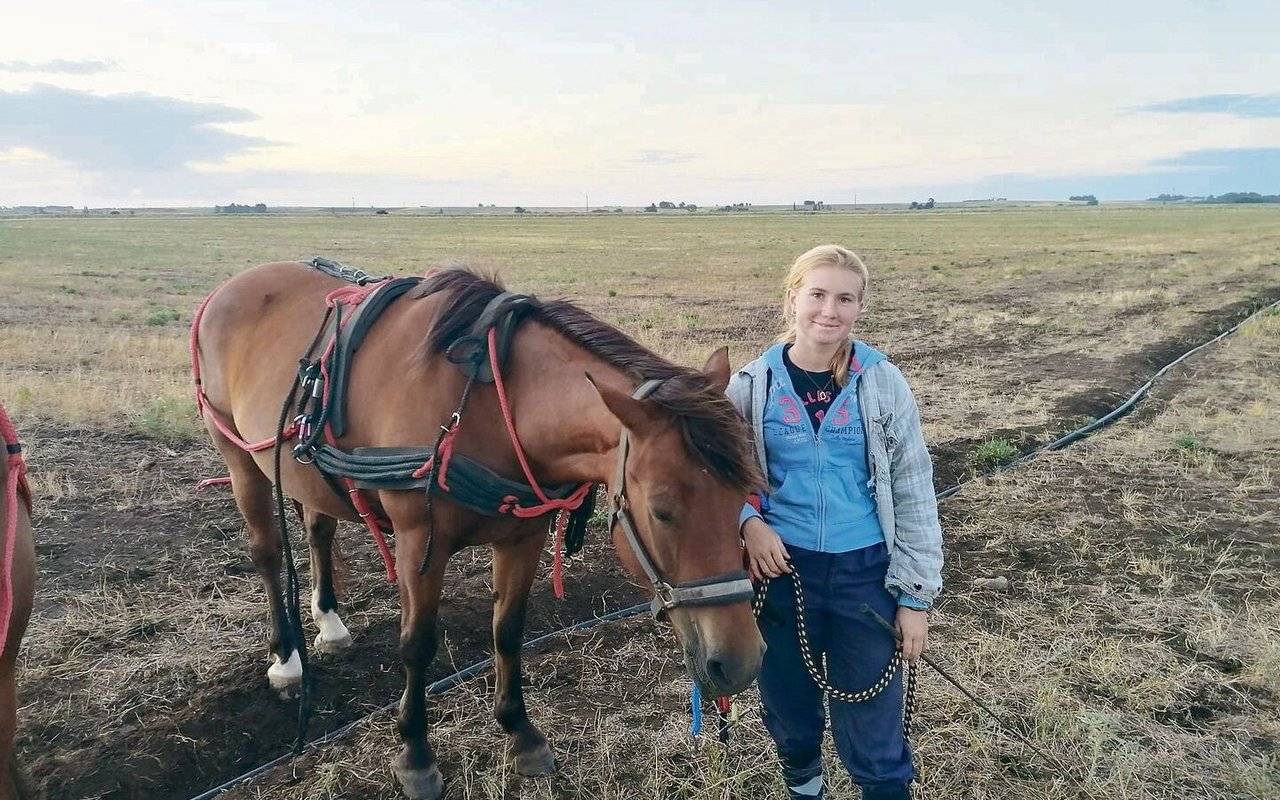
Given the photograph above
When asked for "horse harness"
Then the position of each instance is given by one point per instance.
(15, 488)
(321, 418)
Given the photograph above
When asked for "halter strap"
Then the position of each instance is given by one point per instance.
(722, 589)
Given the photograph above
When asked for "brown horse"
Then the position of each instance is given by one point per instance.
(675, 454)
(17, 589)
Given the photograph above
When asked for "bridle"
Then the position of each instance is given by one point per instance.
(723, 589)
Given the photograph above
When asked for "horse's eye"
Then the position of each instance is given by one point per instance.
(662, 515)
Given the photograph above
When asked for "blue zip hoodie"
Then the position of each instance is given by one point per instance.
(820, 489)
(901, 470)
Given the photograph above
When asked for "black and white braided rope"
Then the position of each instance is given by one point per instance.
(819, 676)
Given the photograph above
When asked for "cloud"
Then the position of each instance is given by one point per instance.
(661, 158)
(1239, 105)
(122, 132)
(1196, 173)
(58, 65)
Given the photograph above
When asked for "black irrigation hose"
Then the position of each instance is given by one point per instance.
(1115, 414)
(442, 685)
(1058, 444)
(464, 674)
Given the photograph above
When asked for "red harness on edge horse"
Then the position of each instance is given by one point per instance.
(15, 484)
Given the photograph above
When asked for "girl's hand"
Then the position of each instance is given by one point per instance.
(913, 626)
(765, 551)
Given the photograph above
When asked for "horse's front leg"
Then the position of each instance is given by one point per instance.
(416, 766)
(514, 566)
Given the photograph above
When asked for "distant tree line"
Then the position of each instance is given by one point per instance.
(236, 208)
(1087, 199)
(1243, 197)
(1229, 197)
(922, 206)
(652, 208)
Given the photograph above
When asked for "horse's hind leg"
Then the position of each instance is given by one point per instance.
(514, 567)
(321, 528)
(253, 495)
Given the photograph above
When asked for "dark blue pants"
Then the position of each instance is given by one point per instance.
(868, 735)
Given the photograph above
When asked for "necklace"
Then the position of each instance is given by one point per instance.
(824, 391)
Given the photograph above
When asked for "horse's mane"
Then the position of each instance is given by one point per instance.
(711, 427)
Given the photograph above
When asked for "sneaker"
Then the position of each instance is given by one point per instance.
(804, 780)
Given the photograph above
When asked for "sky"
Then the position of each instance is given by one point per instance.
(413, 103)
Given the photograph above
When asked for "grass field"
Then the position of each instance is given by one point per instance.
(1138, 642)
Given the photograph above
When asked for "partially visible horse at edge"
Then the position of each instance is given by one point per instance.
(586, 403)
(17, 590)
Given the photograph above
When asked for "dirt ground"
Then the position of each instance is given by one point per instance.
(143, 669)
(150, 703)
(1137, 643)
(139, 695)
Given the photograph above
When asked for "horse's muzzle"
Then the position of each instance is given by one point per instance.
(722, 653)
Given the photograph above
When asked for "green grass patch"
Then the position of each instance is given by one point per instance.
(1187, 442)
(993, 453)
(163, 316)
(170, 419)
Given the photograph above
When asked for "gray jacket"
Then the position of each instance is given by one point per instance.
(901, 470)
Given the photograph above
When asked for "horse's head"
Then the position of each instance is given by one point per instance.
(684, 468)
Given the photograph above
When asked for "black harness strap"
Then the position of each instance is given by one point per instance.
(471, 352)
(336, 269)
(471, 483)
(349, 340)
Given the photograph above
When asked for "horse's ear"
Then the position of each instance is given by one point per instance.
(717, 369)
(630, 412)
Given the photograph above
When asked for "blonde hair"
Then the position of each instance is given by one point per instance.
(824, 255)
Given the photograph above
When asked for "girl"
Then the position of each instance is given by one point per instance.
(850, 515)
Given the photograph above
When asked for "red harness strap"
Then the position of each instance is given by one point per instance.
(564, 506)
(206, 410)
(15, 482)
(349, 294)
(354, 295)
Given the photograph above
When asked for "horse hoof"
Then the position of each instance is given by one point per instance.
(420, 784)
(324, 645)
(540, 761)
(285, 676)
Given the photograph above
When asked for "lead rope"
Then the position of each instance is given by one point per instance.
(819, 676)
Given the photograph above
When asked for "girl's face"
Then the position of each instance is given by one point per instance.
(826, 305)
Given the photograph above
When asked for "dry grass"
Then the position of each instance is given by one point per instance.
(1138, 643)
(95, 329)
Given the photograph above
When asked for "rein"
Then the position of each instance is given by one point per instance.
(15, 481)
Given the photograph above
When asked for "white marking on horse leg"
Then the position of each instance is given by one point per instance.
(285, 675)
(334, 635)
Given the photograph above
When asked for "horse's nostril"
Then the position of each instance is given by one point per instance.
(716, 671)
